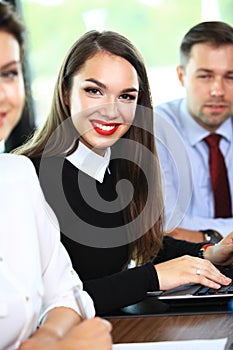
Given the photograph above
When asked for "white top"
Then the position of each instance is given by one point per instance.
(184, 158)
(90, 162)
(35, 270)
(2, 146)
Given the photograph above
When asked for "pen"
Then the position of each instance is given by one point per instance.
(79, 300)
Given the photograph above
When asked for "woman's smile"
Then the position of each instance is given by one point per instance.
(104, 128)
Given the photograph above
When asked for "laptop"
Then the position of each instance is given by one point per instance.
(196, 293)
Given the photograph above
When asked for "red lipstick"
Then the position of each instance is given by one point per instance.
(103, 128)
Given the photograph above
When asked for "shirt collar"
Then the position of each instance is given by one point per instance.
(196, 133)
(90, 162)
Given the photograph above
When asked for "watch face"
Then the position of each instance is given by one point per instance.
(212, 236)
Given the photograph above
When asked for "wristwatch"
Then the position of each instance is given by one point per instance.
(202, 250)
(212, 236)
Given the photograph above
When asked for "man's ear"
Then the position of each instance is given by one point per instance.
(180, 74)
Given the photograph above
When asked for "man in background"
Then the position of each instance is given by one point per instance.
(195, 137)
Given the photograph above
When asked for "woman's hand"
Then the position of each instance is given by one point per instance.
(91, 334)
(188, 269)
(57, 323)
(221, 253)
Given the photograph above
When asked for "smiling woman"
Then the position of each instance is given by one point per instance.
(108, 98)
(101, 123)
(19, 121)
(12, 91)
(12, 95)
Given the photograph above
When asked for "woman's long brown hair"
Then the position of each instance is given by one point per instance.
(144, 248)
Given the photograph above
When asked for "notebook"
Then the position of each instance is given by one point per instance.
(207, 344)
(191, 292)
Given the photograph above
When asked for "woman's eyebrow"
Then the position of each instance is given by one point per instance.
(92, 80)
(130, 90)
(9, 64)
(103, 86)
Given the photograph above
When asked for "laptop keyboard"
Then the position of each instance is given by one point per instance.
(210, 291)
(227, 271)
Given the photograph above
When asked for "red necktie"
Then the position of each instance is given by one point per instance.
(219, 178)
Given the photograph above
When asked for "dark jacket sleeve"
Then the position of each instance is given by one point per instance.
(130, 286)
(174, 248)
(123, 288)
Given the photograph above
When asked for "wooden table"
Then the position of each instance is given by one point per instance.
(168, 328)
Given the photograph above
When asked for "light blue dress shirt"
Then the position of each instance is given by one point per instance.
(184, 159)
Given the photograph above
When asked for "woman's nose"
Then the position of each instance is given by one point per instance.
(111, 109)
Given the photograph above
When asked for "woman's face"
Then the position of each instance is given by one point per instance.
(103, 100)
(12, 94)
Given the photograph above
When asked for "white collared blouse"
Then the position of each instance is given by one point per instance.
(36, 274)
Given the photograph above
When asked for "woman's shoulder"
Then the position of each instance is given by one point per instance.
(17, 172)
(15, 163)
(48, 164)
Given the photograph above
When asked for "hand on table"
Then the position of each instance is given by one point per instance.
(91, 334)
(185, 269)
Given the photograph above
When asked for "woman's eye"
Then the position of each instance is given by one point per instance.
(93, 91)
(9, 75)
(127, 97)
